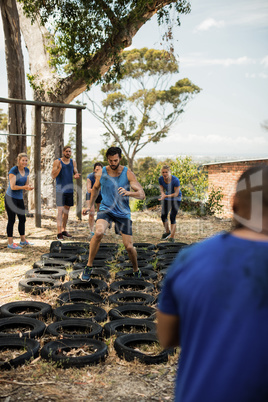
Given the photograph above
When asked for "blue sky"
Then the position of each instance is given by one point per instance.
(222, 48)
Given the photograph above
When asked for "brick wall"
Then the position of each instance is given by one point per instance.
(225, 175)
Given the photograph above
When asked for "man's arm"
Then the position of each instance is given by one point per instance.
(138, 192)
(168, 329)
(94, 194)
(56, 168)
(76, 174)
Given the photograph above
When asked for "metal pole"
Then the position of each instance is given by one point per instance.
(79, 162)
(37, 166)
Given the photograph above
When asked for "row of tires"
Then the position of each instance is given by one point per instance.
(96, 350)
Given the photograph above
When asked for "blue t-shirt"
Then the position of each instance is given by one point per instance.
(64, 180)
(91, 177)
(20, 181)
(219, 290)
(111, 201)
(170, 187)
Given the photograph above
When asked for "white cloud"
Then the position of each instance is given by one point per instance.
(264, 61)
(209, 23)
(227, 62)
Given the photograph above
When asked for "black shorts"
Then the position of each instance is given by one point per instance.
(64, 199)
(98, 199)
(123, 225)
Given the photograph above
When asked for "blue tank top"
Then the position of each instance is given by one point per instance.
(64, 180)
(111, 201)
(20, 181)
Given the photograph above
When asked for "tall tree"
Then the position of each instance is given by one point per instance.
(140, 107)
(16, 81)
(72, 44)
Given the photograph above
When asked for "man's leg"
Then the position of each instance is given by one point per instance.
(131, 250)
(65, 214)
(101, 226)
(91, 217)
(59, 219)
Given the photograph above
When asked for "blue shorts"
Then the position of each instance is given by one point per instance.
(64, 199)
(98, 199)
(123, 225)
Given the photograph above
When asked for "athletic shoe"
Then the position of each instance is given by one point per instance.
(59, 236)
(171, 240)
(14, 246)
(137, 274)
(26, 243)
(66, 234)
(165, 235)
(86, 274)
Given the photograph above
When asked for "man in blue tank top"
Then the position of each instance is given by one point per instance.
(117, 184)
(214, 304)
(63, 170)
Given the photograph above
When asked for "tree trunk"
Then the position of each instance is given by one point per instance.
(16, 80)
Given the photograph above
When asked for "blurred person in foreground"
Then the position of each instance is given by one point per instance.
(214, 304)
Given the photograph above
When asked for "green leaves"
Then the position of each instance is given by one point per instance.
(89, 34)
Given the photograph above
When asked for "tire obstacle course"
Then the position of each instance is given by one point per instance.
(79, 317)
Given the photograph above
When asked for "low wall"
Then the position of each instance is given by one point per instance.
(224, 175)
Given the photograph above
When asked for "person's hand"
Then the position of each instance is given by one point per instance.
(122, 191)
(162, 197)
(77, 175)
(28, 187)
(85, 211)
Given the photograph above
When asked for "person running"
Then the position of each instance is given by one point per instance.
(63, 170)
(90, 183)
(18, 178)
(170, 201)
(214, 304)
(116, 182)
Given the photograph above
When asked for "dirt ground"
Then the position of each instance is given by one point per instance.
(114, 379)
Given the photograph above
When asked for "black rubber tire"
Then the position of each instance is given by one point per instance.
(168, 251)
(128, 297)
(96, 285)
(37, 327)
(79, 296)
(38, 285)
(142, 253)
(48, 272)
(52, 263)
(99, 313)
(31, 345)
(51, 351)
(90, 329)
(96, 273)
(96, 263)
(163, 272)
(72, 247)
(148, 246)
(39, 309)
(128, 273)
(160, 285)
(142, 265)
(134, 284)
(176, 245)
(122, 312)
(124, 350)
(59, 256)
(116, 327)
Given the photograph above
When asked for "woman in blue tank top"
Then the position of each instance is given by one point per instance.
(18, 178)
(170, 201)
